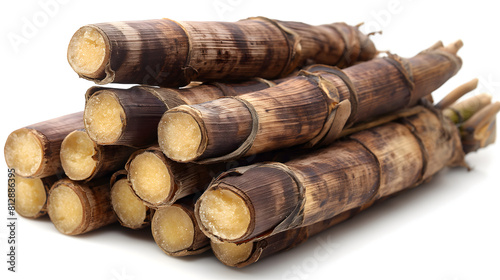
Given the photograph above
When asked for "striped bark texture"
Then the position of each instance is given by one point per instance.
(84, 160)
(95, 201)
(478, 133)
(312, 108)
(48, 135)
(368, 165)
(182, 179)
(169, 53)
(139, 123)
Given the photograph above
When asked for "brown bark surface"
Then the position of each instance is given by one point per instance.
(185, 179)
(169, 53)
(140, 122)
(368, 165)
(96, 202)
(51, 133)
(312, 109)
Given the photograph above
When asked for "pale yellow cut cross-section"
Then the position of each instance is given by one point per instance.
(224, 213)
(104, 117)
(150, 178)
(30, 196)
(179, 136)
(24, 152)
(87, 52)
(128, 207)
(173, 229)
(65, 209)
(231, 253)
(78, 155)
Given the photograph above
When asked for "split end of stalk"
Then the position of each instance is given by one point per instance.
(454, 47)
(460, 112)
(78, 155)
(480, 130)
(460, 91)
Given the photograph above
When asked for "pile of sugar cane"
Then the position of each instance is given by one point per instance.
(235, 140)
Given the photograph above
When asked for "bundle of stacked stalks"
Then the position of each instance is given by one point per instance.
(143, 156)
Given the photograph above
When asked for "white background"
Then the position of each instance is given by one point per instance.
(448, 229)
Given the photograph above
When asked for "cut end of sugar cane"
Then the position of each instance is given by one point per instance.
(78, 155)
(230, 253)
(31, 197)
(65, 209)
(88, 52)
(179, 136)
(150, 178)
(104, 118)
(24, 152)
(173, 229)
(224, 214)
(128, 207)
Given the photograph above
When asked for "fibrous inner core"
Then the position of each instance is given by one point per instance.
(65, 209)
(30, 196)
(179, 136)
(224, 213)
(128, 207)
(78, 155)
(23, 152)
(87, 52)
(150, 178)
(104, 118)
(173, 229)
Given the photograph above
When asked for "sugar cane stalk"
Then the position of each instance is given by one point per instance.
(159, 181)
(257, 201)
(310, 109)
(169, 53)
(33, 151)
(76, 208)
(83, 159)
(240, 255)
(112, 116)
(176, 230)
